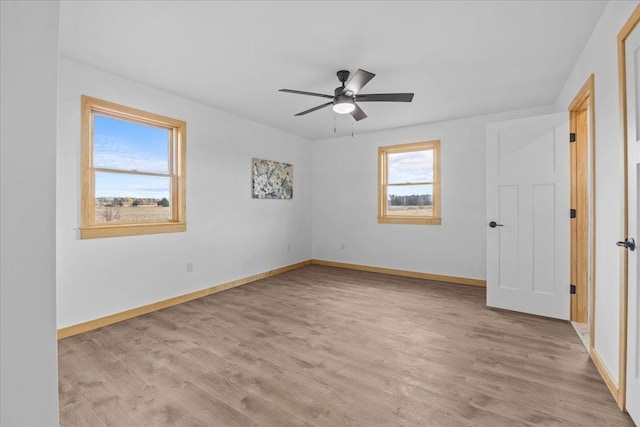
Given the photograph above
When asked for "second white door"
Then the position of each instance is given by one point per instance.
(632, 53)
(528, 215)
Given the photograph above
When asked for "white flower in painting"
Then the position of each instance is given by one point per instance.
(272, 180)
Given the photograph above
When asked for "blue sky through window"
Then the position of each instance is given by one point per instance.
(410, 166)
(122, 145)
(136, 186)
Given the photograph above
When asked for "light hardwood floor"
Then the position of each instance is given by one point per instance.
(322, 346)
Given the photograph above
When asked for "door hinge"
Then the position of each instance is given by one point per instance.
(572, 213)
(572, 137)
(572, 289)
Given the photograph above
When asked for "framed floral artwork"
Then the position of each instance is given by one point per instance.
(271, 179)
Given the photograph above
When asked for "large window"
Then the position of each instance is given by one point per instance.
(409, 183)
(133, 171)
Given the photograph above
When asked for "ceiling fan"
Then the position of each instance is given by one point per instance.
(345, 96)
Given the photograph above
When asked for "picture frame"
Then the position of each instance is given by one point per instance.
(271, 179)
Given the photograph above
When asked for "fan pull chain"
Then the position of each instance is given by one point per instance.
(334, 123)
(351, 129)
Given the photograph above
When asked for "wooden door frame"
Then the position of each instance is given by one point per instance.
(624, 33)
(583, 232)
(582, 169)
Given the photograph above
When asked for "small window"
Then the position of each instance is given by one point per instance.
(133, 171)
(409, 183)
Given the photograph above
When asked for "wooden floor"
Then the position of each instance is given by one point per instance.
(321, 346)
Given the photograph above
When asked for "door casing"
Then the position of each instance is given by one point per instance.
(582, 166)
(624, 33)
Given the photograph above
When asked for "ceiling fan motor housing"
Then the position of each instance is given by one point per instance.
(339, 92)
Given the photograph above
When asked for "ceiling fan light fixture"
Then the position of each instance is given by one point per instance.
(343, 100)
(344, 104)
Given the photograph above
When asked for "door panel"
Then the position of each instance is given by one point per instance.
(527, 151)
(632, 49)
(528, 193)
(509, 271)
(544, 251)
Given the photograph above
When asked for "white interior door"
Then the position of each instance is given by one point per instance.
(528, 202)
(632, 50)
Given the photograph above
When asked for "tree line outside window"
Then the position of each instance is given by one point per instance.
(411, 200)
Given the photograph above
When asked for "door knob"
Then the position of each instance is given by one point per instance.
(628, 243)
(494, 224)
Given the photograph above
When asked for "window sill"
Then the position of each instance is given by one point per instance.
(409, 220)
(100, 231)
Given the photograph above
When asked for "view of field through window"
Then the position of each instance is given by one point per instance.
(410, 183)
(131, 171)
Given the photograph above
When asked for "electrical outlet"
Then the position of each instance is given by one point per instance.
(342, 246)
(288, 247)
(189, 267)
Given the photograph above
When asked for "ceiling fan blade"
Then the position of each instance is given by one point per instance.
(385, 97)
(357, 81)
(300, 92)
(358, 114)
(311, 110)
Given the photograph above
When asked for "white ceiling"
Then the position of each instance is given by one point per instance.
(461, 58)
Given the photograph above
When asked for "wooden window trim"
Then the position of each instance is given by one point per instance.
(383, 218)
(89, 229)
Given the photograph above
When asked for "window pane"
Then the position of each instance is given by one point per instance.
(410, 200)
(412, 166)
(122, 197)
(119, 144)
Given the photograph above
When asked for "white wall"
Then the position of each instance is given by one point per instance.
(28, 346)
(229, 235)
(600, 57)
(345, 197)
